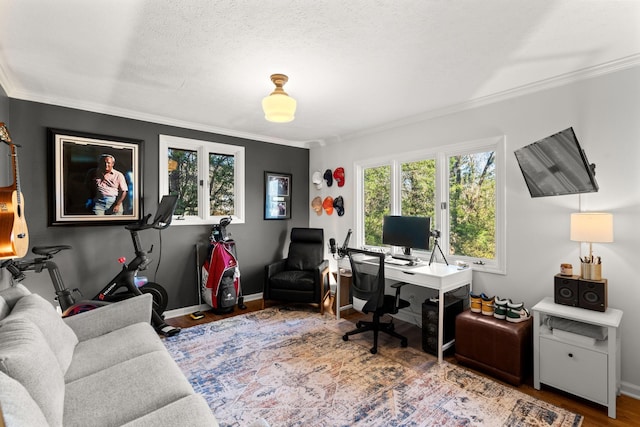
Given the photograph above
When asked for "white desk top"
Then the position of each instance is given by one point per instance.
(434, 276)
(435, 269)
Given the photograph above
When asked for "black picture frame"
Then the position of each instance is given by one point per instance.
(277, 195)
(73, 159)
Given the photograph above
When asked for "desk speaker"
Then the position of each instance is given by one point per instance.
(592, 294)
(565, 290)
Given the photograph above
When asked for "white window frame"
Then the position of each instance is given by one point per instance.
(441, 220)
(204, 148)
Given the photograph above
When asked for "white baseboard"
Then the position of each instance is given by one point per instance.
(177, 312)
(631, 390)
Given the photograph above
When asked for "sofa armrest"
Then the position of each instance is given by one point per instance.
(275, 267)
(110, 317)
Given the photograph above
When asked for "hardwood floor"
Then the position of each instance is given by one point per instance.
(628, 409)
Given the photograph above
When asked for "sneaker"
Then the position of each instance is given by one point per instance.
(517, 313)
(487, 305)
(476, 302)
(500, 308)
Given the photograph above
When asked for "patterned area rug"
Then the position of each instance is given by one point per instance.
(292, 368)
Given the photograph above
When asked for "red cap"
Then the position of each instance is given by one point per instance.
(338, 175)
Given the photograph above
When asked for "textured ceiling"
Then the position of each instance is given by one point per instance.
(353, 65)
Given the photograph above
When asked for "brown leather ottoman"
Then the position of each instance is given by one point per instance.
(497, 347)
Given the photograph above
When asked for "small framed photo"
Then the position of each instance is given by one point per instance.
(94, 179)
(277, 195)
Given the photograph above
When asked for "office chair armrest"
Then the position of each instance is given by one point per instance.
(398, 286)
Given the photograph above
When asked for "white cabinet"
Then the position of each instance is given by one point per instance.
(588, 370)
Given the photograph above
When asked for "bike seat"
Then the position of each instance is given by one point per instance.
(49, 250)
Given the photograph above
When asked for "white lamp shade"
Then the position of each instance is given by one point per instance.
(592, 227)
(279, 108)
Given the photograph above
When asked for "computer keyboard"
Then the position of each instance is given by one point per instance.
(396, 261)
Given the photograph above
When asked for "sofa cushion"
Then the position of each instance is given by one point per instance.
(10, 296)
(125, 392)
(107, 350)
(26, 357)
(191, 411)
(61, 339)
(4, 308)
(18, 408)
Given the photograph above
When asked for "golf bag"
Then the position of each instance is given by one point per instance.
(220, 287)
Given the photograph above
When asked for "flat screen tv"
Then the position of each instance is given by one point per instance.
(409, 232)
(556, 165)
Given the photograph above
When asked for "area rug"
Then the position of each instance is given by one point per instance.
(292, 368)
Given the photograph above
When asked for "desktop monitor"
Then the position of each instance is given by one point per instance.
(409, 232)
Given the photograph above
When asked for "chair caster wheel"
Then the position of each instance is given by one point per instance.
(404, 343)
(373, 350)
(345, 338)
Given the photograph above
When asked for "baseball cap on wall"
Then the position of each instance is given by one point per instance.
(338, 175)
(316, 204)
(317, 179)
(328, 177)
(328, 205)
(338, 204)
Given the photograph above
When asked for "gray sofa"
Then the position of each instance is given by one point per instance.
(105, 367)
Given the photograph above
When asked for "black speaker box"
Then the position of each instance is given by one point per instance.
(565, 290)
(592, 294)
(452, 307)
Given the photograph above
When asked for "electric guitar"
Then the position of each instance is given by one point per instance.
(14, 237)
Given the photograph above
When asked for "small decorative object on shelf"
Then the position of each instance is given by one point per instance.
(566, 269)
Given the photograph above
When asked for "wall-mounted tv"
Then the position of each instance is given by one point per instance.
(556, 165)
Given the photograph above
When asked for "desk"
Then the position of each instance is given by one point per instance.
(440, 277)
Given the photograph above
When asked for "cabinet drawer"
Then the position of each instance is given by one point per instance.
(574, 369)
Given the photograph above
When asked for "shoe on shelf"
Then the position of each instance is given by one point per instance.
(487, 305)
(517, 313)
(500, 308)
(476, 302)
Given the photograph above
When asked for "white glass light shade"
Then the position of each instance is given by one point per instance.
(592, 227)
(279, 108)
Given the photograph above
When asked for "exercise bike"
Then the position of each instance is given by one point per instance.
(125, 284)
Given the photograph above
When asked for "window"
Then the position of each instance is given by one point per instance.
(187, 164)
(377, 202)
(460, 187)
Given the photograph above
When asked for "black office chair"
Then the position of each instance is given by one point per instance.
(304, 275)
(367, 291)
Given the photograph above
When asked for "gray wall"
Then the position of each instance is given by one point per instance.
(93, 260)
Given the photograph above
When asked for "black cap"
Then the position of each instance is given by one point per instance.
(328, 176)
(338, 204)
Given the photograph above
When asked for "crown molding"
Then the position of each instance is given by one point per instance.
(136, 115)
(561, 80)
(552, 82)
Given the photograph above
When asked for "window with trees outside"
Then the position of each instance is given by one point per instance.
(460, 187)
(207, 177)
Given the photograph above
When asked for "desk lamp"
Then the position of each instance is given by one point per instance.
(592, 227)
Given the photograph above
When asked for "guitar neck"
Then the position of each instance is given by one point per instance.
(6, 138)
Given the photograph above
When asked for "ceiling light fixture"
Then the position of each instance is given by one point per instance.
(278, 106)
